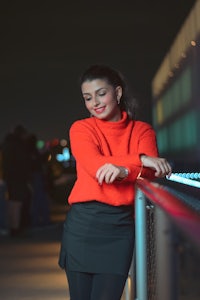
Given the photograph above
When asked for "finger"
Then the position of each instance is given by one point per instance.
(163, 169)
(167, 168)
(98, 172)
(160, 170)
(108, 177)
(158, 173)
(169, 171)
(100, 175)
(101, 169)
(113, 177)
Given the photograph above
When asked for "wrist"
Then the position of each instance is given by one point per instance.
(124, 172)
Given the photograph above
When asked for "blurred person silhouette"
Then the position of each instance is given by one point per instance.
(16, 173)
(3, 201)
(40, 200)
(111, 150)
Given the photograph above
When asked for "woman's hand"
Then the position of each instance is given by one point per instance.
(159, 164)
(109, 173)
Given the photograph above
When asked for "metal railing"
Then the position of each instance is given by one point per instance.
(161, 220)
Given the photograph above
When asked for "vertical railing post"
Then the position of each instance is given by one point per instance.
(141, 246)
(166, 258)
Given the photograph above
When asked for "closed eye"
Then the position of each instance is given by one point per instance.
(102, 94)
(87, 98)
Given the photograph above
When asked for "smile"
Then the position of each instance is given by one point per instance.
(99, 110)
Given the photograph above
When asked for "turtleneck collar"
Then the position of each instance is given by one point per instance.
(122, 123)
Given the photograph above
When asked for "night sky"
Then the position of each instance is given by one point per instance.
(45, 46)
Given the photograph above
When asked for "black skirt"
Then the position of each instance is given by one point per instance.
(98, 238)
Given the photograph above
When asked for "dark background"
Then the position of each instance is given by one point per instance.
(45, 45)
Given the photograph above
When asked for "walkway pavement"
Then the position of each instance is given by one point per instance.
(29, 264)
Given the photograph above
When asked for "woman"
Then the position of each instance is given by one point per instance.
(111, 151)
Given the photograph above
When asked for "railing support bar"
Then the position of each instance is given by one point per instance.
(140, 246)
(167, 259)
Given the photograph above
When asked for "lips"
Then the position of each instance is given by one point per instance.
(99, 110)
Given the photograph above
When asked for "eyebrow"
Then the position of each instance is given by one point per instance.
(95, 91)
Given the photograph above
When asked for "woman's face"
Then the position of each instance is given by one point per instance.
(101, 99)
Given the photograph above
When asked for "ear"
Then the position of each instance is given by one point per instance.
(118, 93)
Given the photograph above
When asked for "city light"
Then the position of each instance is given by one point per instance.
(190, 179)
(40, 144)
(64, 156)
(63, 142)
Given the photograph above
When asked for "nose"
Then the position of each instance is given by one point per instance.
(96, 101)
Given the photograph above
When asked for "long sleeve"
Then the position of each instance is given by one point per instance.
(95, 142)
(87, 149)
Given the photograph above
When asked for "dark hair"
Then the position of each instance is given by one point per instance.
(114, 78)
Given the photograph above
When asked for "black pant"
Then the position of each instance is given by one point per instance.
(87, 286)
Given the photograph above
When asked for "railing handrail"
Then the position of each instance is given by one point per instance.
(186, 218)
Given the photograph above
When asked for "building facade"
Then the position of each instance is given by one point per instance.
(176, 98)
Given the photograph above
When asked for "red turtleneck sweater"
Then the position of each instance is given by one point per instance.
(95, 142)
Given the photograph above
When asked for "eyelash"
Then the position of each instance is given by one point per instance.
(100, 95)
